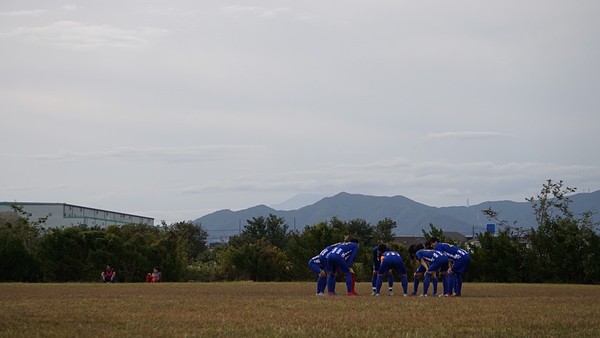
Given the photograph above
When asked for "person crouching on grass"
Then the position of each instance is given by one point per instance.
(108, 275)
(339, 260)
(154, 277)
(432, 261)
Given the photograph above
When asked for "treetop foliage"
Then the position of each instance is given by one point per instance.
(267, 251)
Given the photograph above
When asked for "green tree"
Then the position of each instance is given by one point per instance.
(361, 229)
(302, 246)
(17, 263)
(273, 229)
(63, 252)
(498, 258)
(435, 232)
(258, 261)
(562, 242)
(192, 238)
(562, 248)
(384, 231)
(19, 246)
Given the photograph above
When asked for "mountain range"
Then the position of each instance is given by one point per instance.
(410, 216)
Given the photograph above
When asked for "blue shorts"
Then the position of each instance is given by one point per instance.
(314, 266)
(438, 263)
(445, 267)
(392, 262)
(460, 265)
(337, 262)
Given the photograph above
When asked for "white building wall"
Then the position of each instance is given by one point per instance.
(65, 215)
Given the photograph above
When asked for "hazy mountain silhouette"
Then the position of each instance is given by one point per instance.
(409, 215)
(298, 201)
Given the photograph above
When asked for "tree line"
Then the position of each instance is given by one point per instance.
(562, 248)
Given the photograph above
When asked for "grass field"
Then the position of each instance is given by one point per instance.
(243, 309)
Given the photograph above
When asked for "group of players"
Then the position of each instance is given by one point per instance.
(435, 259)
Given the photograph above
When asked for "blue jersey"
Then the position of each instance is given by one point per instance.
(317, 260)
(392, 260)
(327, 250)
(435, 258)
(451, 251)
(321, 259)
(428, 255)
(347, 250)
(377, 257)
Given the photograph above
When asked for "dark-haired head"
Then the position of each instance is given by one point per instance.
(412, 250)
(351, 239)
(382, 248)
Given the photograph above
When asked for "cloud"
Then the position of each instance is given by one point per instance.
(432, 182)
(70, 8)
(160, 154)
(261, 12)
(79, 36)
(24, 13)
(170, 11)
(468, 135)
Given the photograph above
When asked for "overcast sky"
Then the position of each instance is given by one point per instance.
(175, 109)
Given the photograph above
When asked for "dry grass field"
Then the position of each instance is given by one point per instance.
(246, 309)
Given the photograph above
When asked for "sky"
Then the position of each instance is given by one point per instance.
(176, 109)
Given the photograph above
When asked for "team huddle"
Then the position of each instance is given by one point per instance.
(435, 259)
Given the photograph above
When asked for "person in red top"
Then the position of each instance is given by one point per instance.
(154, 277)
(109, 274)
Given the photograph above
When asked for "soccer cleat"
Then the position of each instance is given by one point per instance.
(390, 293)
(332, 294)
(321, 294)
(422, 295)
(435, 295)
(405, 295)
(377, 295)
(352, 293)
(373, 293)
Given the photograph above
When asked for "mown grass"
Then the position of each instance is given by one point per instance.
(244, 309)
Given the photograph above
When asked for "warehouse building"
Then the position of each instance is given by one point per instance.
(66, 215)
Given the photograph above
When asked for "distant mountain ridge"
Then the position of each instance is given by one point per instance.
(409, 215)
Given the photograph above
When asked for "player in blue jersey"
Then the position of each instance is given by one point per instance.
(376, 265)
(460, 259)
(432, 260)
(318, 264)
(420, 270)
(339, 260)
(391, 260)
(418, 275)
